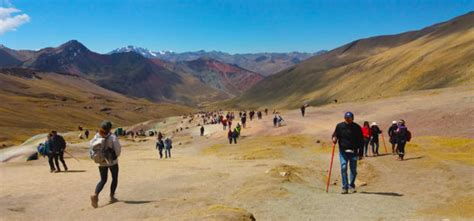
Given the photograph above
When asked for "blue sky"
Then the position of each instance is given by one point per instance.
(230, 26)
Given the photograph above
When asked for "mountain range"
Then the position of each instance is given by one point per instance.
(438, 56)
(262, 63)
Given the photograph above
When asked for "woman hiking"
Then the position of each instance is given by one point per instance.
(374, 141)
(367, 133)
(393, 138)
(109, 147)
(403, 136)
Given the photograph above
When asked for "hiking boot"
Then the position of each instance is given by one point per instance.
(95, 201)
(57, 171)
(113, 199)
(344, 191)
(352, 190)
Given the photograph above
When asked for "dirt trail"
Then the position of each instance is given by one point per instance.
(272, 173)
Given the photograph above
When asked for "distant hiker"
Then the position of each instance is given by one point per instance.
(105, 149)
(275, 121)
(44, 149)
(335, 101)
(392, 135)
(367, 134)
(266, 111)
(279, 121)
(160, 145)
(259, 115)
(87, 133)
(58, 148)
(374, 141)
(168, 147)
(229, 122)
(235, 135)
(244, 120)
(237, 129)
(202, 131)
(303, 109)
(230, 136)
(351, 141)
(251, 114)
(403, 136)
(224, 123)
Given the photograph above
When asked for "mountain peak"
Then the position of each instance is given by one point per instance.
(139, 50)
(74, 45)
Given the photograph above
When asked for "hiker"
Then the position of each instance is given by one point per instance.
(202, 131)
(86, 133)
(374, 140)
(367, 134)
(237, 129)
(160, 145)
(303, 109)
(403, 136)
(244, 120)
(105, 150)
(224, 123)
(259, 115)
(160, 135)
(280, 120)
(44, 149)
(266, 111)
(230, 135)
(58, 148)
(351, 141)
(168, 146)
(235, 134)
(393, 138)
(275, 121)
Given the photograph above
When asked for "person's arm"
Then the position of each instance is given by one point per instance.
(335, 135)
(360, 139)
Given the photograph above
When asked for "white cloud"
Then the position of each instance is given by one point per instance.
(9, 21)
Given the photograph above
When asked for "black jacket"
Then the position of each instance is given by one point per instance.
(58, 143)
(375, 132)
(349, 137)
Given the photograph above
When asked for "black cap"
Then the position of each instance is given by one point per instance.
(106, 125)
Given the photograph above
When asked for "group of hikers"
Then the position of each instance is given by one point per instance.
(54, 148)
(353, 144)
(353, 140)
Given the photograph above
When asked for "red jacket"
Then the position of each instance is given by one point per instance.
(367, 132)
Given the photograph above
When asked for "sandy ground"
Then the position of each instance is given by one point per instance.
(271, 174)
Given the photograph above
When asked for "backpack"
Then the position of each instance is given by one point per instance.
(43, 149)
(408, 135)
(99, 151)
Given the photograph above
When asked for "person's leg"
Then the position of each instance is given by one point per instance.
(103, 179)
(366, 146)
(353, 168)
(235, 140)
(160, 150)
(401, 150)
(61, 158)
(114, 170)
(169, 153)
(377, 144)
(56, 161)
(343, 160)
(51, 164)
(230, 140)
(372, 145)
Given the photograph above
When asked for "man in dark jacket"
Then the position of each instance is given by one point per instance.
(351, 143)
(58, 147)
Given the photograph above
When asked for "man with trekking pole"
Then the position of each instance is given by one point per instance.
(348, 135)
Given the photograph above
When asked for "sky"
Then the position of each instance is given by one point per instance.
(231, 26)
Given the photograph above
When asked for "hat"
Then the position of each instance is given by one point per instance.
(394, 122)
(106, 125)
(349, 115)
(374, 123)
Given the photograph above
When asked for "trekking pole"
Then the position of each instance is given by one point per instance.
(71, 155)
(385, 146)
(330, 167)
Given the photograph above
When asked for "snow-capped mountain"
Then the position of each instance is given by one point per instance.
(143, 51)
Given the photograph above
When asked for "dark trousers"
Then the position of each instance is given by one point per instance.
(59, 157)
(401, 149)
(51, 163)
(366, 145)
(160, 150)
(168, 153)
(375, 146)
(103, 170)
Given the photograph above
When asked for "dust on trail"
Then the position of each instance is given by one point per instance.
(271, 174)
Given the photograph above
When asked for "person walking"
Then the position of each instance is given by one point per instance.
(266, 111)
(374, 141)
(168, 147)
(403, 136)
(303, 109)
(367, 134)
(87, 133)
(160, 145)
(351, 142)
(202, 131)
(275, 121)
(391, 134)
(45, 150)
(58, 148)
(106, 156)
(235, 135)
